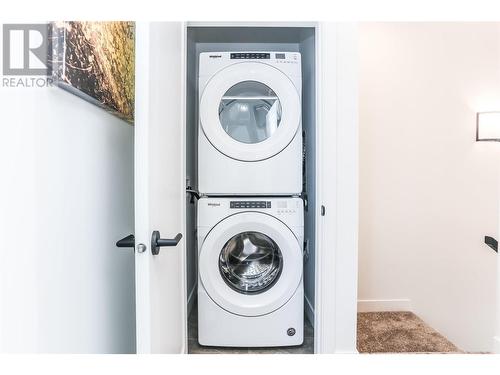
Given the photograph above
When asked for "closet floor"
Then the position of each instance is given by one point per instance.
(195, 348)
(377, 332)
(399, 332)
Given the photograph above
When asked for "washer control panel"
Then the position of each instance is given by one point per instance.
(250, 204)
(212, 210)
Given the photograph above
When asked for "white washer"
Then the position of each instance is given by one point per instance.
(250, 128)
(250, 265)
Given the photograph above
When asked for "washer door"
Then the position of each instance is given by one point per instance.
(250, 264)
(250, 111)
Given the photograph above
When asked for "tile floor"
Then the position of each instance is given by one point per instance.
(194, 348)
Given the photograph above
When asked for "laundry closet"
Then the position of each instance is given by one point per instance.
(249, 151)
(283, 192)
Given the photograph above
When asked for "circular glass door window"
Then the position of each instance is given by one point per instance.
(250, 262)
(250, 112)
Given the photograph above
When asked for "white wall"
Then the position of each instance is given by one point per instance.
(66, 196)
(428, 192)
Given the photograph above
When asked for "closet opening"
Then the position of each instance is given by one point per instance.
(268, 106)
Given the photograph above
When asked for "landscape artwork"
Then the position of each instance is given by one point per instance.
(95, 60)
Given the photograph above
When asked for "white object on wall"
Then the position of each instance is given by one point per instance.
(488, 126)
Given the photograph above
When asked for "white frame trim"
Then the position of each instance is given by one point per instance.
(187, 296)
(336, 189)
(370, 305)
(141, 188)
(496, 337)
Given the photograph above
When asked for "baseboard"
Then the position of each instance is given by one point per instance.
(496, 344)
(367, 305)
(190, 300)
(309, 309)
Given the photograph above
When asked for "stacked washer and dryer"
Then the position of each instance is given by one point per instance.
(250, 214)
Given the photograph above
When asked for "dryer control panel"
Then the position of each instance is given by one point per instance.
(275, 56)
(250, 204)
(211, 63)
(250, 55)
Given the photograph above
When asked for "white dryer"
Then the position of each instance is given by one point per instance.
(250, 261)
(250, 128)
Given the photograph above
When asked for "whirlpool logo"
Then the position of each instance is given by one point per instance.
(214, 204)
(215, 56)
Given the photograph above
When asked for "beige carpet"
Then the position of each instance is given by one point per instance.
(399, 332)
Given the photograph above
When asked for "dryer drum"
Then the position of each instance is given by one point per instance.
(250, 262)
(250, 112)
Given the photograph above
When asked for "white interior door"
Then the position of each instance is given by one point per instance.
(159, 188)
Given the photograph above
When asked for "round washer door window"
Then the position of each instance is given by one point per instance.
(250, 112)
(250, 262)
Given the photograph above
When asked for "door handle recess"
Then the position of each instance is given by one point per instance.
(128, 241)
(157, 242)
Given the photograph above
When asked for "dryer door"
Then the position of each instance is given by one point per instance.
(250, 264)
(250, 111)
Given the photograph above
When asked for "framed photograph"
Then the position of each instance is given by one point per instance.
(95, 60)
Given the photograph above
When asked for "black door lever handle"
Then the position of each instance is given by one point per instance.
(128, 241)
(157, 242)
(491, 242)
